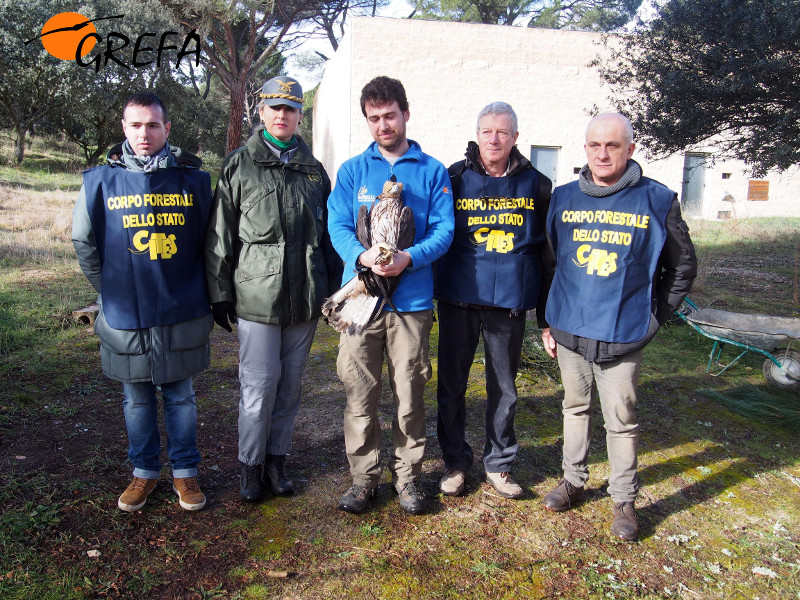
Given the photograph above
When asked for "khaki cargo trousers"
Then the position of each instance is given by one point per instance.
(405, 341)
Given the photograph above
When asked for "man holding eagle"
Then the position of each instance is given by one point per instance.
(386, 312)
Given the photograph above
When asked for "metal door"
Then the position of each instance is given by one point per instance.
(694, 183)
(545, 159)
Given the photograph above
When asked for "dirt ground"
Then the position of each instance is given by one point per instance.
(719, 509)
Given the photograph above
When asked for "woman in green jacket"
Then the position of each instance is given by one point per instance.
(269, 266)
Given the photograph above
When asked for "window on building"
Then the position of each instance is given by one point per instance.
(758, 190)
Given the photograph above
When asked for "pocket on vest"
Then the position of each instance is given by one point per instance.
(119, 341)
(191, 334)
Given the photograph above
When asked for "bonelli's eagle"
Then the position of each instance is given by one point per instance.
(390, 225)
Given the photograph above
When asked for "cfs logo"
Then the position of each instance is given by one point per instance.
(71, 36)
(495, 240)
(596, 260)
(159, 245)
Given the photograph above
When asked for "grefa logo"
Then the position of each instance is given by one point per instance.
(71, 36)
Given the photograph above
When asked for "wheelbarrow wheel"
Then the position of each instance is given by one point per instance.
(787, 378)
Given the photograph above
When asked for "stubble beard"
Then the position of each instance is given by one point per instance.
(393, 145)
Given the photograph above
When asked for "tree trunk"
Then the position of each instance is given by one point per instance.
(236, 116)
(95, 156)
(19, 142)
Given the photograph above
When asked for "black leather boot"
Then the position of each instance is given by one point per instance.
(250, 487)
(275, 473)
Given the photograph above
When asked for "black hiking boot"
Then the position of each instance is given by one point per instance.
(250, 487)
(275, 473)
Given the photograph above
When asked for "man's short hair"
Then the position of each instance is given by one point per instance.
(146, 99)
(628, 128)
(382, 91)
(498, 108)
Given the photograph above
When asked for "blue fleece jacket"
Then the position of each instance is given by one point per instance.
(426, 189)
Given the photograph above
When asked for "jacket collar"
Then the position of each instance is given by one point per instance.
(473, 162)
(258, 149)
(180, 158)
(630, 177)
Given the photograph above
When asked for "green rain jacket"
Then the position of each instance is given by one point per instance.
(267, 245)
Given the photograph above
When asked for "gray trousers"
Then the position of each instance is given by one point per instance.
(616, 385)
(272, 360)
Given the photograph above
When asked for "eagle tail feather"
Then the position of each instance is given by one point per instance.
(350, 308)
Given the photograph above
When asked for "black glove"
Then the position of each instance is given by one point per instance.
(222, 312)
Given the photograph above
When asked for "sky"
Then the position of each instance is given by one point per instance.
(396, 8)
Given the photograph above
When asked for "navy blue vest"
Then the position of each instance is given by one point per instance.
(149, 229)
(494, 257)
(607, 252)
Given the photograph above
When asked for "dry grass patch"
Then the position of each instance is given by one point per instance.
(35, 226)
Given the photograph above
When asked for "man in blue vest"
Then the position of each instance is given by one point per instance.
(624, 262)
(138, 229)
(485, 283)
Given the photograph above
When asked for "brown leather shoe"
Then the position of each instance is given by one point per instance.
(190, 496)
(625, 525)
(563, 497)
(135, 495)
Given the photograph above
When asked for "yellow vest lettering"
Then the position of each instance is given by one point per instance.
(621, 238)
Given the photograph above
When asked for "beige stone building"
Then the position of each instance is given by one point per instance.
(452, 70)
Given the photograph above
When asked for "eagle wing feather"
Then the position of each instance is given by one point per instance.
(386, 222)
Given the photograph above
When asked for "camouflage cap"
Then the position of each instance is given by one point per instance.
(282, 90)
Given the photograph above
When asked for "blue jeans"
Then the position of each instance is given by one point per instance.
(180, 416)
(459, 332)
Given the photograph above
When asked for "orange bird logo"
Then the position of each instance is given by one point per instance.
(62, 34)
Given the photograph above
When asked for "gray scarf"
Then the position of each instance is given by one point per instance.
(631, 176)
(148, 164)
(284, 155)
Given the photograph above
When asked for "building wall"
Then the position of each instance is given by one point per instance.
(452, 70)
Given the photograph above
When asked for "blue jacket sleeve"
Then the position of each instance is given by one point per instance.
(342, 221)
(441, 222)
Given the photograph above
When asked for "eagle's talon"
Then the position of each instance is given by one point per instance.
(386, 254)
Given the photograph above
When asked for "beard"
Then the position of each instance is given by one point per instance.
(393, 143)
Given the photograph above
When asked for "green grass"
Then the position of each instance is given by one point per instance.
(718, 506)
